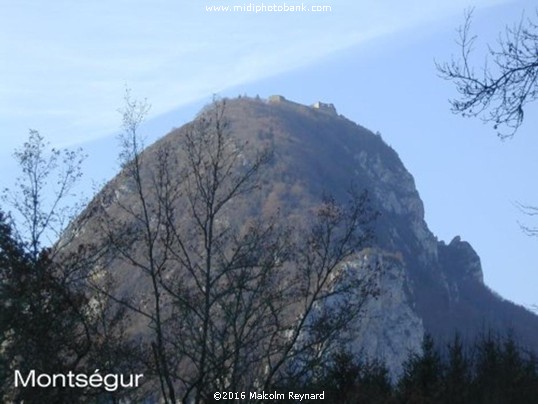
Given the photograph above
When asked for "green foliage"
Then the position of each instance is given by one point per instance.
(346, 380)
(502, 374)
(489, 372)
(495, 371)
(457, 373)
(41, 325)
(421, 382)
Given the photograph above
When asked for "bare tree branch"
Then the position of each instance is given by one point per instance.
(507, 81)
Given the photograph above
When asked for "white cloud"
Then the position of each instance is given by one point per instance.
(66, 63)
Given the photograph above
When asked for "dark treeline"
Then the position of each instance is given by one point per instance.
(492, 370)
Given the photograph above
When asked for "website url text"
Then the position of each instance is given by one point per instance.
(269, 8)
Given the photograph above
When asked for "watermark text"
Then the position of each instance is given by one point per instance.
(257, 8)
(95, 380)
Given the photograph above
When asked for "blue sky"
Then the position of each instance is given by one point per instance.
(64, 67)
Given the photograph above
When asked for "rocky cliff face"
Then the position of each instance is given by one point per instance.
(460, 261)
(390, 328)
(425, 285)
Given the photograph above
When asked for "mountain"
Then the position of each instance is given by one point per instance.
(425, 285)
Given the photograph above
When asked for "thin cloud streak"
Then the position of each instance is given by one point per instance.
(77, 59)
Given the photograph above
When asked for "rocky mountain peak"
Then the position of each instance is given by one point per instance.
(426, 285)
(460, 260)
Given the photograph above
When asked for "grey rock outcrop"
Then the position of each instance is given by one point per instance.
(390, 328)
(425, 285)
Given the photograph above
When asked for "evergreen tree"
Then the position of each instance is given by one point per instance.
(502, 373)
(421, 381)
(42, 324)
(487, 383)
(12, 261)
(457, 374)
(341, 379)
(374, 385)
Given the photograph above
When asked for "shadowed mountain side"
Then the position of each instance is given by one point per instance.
(426, 285)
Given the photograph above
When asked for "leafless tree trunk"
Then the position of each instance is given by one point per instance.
(235, 300)
(133, 233)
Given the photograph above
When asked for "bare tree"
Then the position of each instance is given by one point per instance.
(42, 199)
(234, 302)
(499, 91)
(46, 323)
(133, 231)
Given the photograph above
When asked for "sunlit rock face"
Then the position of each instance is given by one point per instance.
(425, 285)
(390, 328)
